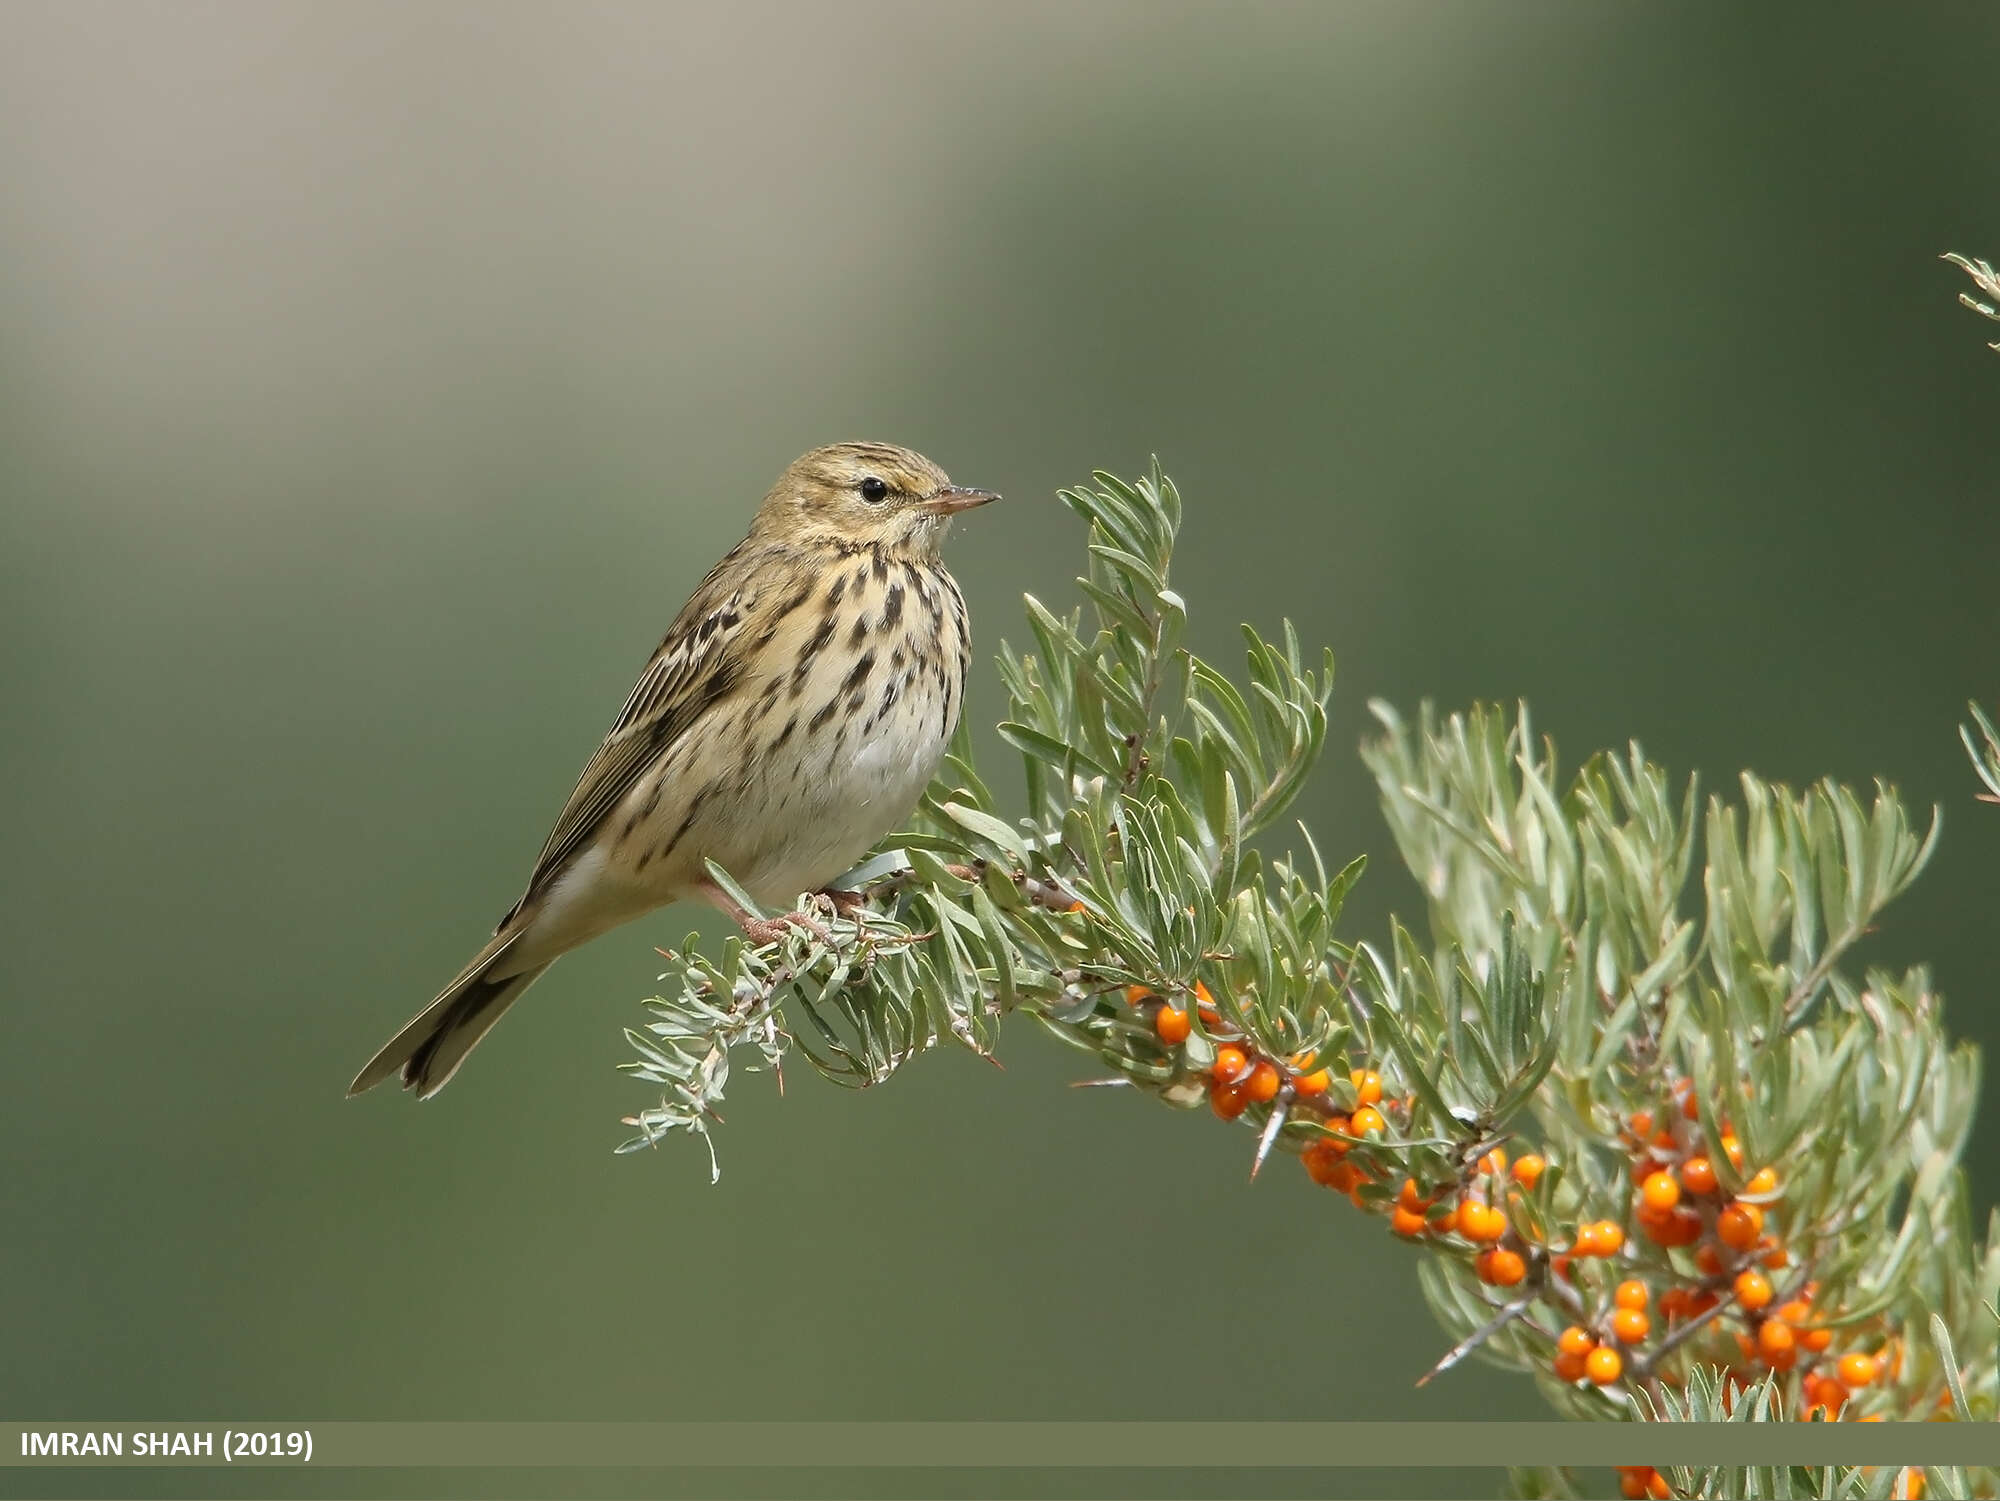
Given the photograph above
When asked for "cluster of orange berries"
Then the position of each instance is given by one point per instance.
(1679, 1204)
(1326, 1159)
(1477, 1217)
(1240, 1076)
(1579, 1355)
(1679, 1188)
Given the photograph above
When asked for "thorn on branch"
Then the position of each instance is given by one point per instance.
(1478, 1337)
(1279, 1114)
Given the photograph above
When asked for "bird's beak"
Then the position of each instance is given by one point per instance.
(954, 498)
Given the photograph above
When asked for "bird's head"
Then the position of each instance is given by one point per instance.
(856, 495)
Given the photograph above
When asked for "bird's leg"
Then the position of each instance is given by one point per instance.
(762, 930)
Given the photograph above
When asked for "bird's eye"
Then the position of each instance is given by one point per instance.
(874, 491)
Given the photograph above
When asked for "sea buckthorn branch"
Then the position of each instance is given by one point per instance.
(1904, 1102)
(1628, 1093)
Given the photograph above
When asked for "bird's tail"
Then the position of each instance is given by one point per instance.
(430, 1048)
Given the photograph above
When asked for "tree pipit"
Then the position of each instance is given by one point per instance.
(793, 715)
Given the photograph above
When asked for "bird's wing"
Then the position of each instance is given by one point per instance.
(698, 664)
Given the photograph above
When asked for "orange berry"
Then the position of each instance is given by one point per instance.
(1262, 1085)
(1824, 1391)
(1815, 1340)
(1631, 1324)
(1632, 1294)
(1775, 1342)
(1698, 1174)
(1739, 1225)
(1913, 1483)
(1345, 1177)
(1228, 1100)
(1660, 1191)
(1528, 1169)
(1858, 1370)
(1708, 1260)
(1321, 1157)
(1570, 1367)
(1367, 1121)
(1609, 1237)
(1480, 1222)
(1795, 1312)
(1316, 1082)
(1343, 1125)
(1494, 1162)
(1137, 995)
(1407, 1221)
(1690, 1107)
(1753, 1289)
(1762, 1182)
(1657, 1487)
(1632, 1483)
(1604, 1365)
(1367, 1086)
(1408, 1198)
(1505, 1268)
(1699, 1303)
(1230, 1064)
(1173, 1026)
(1210, 1017)
(1642, 1123)
(1681, 1227)
(1774, 1255)
(1575, 1340)
(1733, 1150)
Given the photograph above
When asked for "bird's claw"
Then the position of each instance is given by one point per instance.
(763, 930)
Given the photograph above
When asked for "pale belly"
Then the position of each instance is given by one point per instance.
(819, 817)
(804, 822)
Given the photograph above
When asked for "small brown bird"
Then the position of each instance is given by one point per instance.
(793, 715)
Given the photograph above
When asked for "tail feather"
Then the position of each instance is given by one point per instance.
(429, 1049)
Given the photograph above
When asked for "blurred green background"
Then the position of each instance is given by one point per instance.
(376, 380)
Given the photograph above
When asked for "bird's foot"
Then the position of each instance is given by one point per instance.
(763, 930)
(847, 904)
